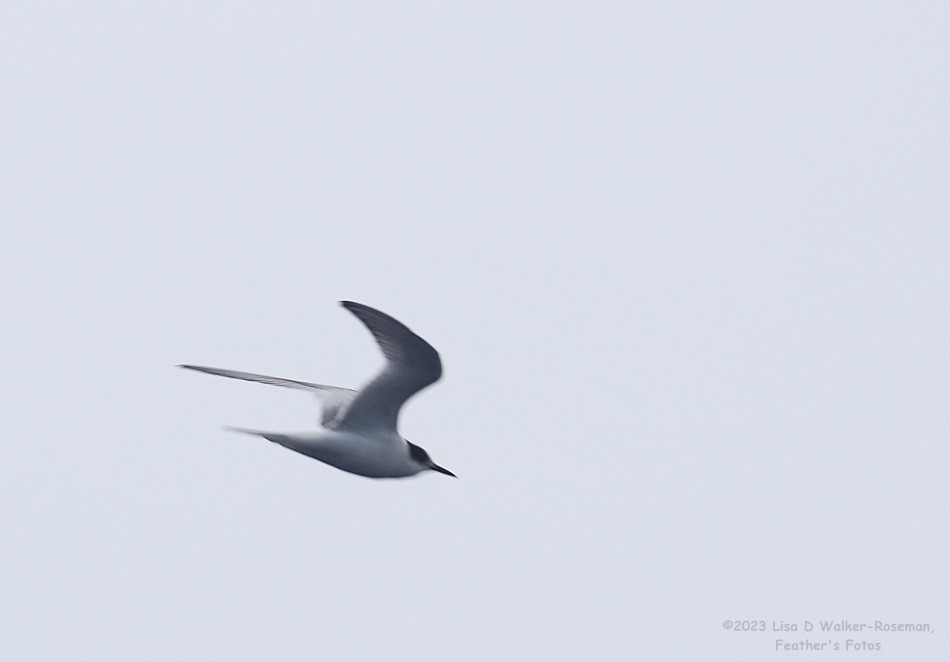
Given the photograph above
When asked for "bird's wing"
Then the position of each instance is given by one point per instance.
(411, 365)
(334, 398)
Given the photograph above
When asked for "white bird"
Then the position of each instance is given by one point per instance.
(359, 428)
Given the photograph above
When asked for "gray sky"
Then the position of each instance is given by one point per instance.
(687, 266)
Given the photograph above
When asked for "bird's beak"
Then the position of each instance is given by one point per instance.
(441, 470)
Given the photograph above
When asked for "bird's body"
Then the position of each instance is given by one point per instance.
(373, 457)
(359, 428)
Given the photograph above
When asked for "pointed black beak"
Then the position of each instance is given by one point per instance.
(441, 470)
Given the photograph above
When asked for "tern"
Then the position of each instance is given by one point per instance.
(359, 431)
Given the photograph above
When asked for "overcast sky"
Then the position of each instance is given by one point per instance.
(687, 265)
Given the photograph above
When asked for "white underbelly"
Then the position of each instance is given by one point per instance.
(374, 458)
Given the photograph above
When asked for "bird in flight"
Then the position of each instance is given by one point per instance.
(359, 428)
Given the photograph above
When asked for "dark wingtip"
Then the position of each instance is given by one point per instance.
(356, 308)
(353, 305)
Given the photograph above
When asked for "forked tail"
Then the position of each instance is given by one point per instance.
(258, 433)
(274, 437)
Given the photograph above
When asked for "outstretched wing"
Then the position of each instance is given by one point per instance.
(333, 398)
(411, 365)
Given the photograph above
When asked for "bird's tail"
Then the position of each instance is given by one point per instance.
(258, 433)
(275, 437)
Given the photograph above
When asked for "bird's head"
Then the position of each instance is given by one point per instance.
(420, 455)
